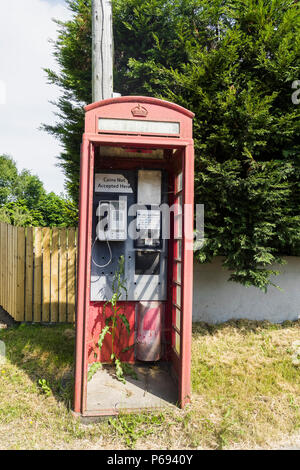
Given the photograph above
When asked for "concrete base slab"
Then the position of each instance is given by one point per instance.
(153, 389)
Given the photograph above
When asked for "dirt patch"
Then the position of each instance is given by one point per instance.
(6, 321)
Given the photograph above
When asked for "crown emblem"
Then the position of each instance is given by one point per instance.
(139, 111)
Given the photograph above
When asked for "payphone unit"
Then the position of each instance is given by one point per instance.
(129, 223)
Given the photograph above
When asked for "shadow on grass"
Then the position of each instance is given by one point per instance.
(5, 319)
(46, 354)
(243, 326)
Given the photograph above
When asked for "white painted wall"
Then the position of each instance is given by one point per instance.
(216, 300)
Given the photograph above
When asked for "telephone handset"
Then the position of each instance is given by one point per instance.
(112, 220)
(111, 225)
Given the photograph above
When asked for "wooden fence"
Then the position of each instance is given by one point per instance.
(38, 273)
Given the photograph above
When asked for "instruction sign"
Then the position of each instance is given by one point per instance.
(111, 183)
(148, 220)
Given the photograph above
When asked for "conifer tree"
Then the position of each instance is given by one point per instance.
(232, 62)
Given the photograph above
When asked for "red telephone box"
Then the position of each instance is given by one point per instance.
(137, 152)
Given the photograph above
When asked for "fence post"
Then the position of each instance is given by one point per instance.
(71, 274)
(46, 276)
(54, 275)
(29, 276)
(37, 287)
(63, 261)
(15, 270)
(20, 313)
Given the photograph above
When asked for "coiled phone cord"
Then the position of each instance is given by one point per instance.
(110, 254)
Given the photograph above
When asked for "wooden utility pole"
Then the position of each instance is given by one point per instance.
(102, 55)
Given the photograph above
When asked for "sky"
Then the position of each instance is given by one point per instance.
(25, 30)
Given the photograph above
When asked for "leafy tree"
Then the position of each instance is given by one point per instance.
(30, 188)
(17, 213)
(24, 201)
(8, 176)
(57, 211)
(18, 186)
(232, 62)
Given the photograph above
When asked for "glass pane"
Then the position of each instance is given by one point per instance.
(179, 182)
(178, 205)
(178, 314)
(178, 272)
(178, 249)
(178, 226)
(178, 296)
(177, 343)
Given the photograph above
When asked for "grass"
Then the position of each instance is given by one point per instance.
(245, 380)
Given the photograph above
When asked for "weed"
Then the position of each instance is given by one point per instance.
(44, 386)
(93, 369)
(111, 322)
(129, 370)
(133, 427)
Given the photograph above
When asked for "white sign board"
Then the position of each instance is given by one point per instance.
(132, 125)
(149, 187)
(148, 220)
(111, 183)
